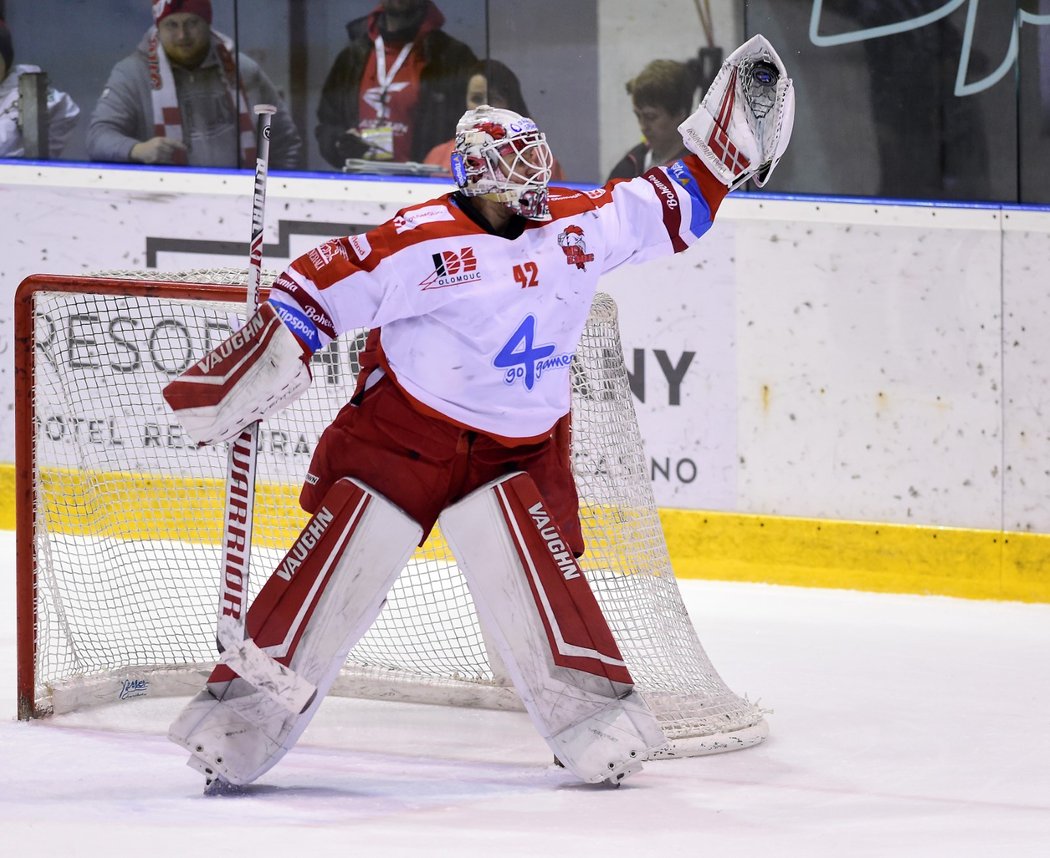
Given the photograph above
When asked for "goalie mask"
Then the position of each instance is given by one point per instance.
(504, 157)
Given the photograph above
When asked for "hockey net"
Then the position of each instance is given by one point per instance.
(120, 517)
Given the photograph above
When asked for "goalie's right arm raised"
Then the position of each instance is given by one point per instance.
(250, 376)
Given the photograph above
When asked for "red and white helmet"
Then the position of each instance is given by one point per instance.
(503, 156)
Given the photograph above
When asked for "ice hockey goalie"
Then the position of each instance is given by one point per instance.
(476, 301)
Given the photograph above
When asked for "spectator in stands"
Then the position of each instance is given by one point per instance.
(62, 111)
(662, 96)
(397, 90)
(493, 83)
(184, 98)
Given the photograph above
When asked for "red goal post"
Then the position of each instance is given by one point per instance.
(119, 519)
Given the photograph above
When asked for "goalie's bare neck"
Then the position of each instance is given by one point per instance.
(497, 214)
(492, 216)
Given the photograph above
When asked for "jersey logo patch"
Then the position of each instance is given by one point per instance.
(361, 246)
(427, 214)
(452, 269)
(521, 359)
(575, 248)
(324, 254)
(680, 173)
(298, 323)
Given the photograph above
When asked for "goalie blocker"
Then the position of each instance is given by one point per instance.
(254, 373)
(532, 599)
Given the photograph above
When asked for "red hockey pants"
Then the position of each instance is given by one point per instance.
(422, 464)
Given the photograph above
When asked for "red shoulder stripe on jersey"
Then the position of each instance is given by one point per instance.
(335, 260)
(565, 202)
(435, 219)
(712, 189)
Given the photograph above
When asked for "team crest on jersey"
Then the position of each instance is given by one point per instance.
(452, 269)
(324, 254)
(575, 248)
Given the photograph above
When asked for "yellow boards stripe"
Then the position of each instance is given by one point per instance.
(979, 564)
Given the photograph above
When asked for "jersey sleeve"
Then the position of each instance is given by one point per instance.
(663, 211)
(339, 287)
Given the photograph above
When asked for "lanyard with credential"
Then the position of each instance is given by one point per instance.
(384, 78)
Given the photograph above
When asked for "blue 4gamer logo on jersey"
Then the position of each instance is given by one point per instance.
(522, 359)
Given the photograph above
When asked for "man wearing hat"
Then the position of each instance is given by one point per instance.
(183, 98)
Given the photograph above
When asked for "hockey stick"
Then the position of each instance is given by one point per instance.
(238, 652)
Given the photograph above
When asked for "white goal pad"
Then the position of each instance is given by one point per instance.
(319, 601)
(537, 607)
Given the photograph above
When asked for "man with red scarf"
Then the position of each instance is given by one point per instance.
(397, 90)
(185, 97)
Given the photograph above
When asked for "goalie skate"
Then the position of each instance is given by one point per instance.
(214, 783)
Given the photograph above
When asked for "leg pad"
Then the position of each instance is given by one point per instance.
(321, 599)
(538, 609)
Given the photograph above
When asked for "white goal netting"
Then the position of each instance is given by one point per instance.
(128, 515)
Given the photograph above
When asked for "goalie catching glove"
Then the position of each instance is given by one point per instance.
(743, 124)
(250, 376)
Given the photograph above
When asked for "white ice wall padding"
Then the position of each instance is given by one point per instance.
(1026, 368)
(121, 598)
(742, 301)
(884, 355)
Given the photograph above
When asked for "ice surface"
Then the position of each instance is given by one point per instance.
(901, 726)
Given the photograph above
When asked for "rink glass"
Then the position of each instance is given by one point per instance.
(912, 99)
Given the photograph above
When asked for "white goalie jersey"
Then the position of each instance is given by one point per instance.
(426, 276)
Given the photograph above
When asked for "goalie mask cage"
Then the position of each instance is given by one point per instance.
(120, 518)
